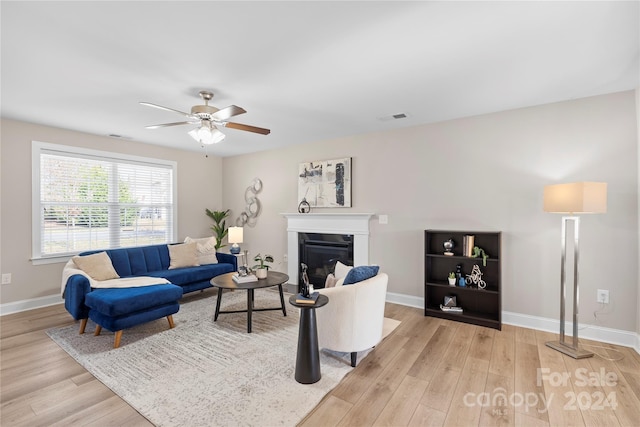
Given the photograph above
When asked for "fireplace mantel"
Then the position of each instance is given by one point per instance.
(356, 224)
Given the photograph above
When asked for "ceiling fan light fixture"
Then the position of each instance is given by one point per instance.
(207, 134)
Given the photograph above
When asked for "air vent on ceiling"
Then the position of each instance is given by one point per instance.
(396, 116)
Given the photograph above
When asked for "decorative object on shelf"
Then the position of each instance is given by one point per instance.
(467, 244)
(571, 199)
(450, 301)
(235, 237)
(452, 279)
(448, 247)
(458, 274)
(253, 207)
(304, 206)
(261, 269)
(325, 184)
(462, 283)
(220, 227)
(478, 251)
(476, 277)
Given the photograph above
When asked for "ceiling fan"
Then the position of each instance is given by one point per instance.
(208, 118)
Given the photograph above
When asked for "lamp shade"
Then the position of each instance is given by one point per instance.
(576, 198)
(235, 235)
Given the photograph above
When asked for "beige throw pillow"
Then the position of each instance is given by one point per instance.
(97, 266)
(341, 270)
(182, 255)
(205, 249)
(330, 282)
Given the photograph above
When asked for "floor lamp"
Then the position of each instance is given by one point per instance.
(574, 198)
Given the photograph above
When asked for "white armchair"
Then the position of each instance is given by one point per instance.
(354, 317)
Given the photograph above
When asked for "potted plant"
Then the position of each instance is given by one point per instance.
(220, 228)
(261, 269)
(452, 279)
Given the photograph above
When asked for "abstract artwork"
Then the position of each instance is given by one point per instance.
(325, 184)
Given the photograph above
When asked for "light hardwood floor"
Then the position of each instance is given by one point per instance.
(429, 372)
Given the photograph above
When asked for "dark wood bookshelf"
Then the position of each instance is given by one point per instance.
(481, 307)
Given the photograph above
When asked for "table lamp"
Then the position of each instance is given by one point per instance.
(573, 198)
(235, 237)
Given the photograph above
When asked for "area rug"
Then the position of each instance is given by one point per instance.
(206, 373)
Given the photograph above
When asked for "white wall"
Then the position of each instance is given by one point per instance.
(479, 173)
(199, 187)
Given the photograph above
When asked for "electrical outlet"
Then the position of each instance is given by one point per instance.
(603, 296)
(6, 278)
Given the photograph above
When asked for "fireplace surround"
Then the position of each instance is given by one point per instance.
(353, 224)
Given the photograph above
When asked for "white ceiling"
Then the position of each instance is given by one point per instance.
(307, 70)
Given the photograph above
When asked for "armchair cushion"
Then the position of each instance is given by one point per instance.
(360, 273)
(341, 270)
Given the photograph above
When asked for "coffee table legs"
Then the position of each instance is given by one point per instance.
(284, 310)
(249, 308)
(308, 357)
(215, 317)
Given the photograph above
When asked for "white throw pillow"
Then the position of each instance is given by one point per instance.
(182, 255)
(330, 282)
(341, 270)
(205, 249)
(98, 266)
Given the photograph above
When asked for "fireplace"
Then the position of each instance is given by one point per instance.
(355, 225)
(320, 252)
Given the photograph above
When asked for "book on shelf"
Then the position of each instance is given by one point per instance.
(451, 309)
(311, 299)
(244, 279)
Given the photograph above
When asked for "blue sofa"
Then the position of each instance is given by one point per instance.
(121, 308)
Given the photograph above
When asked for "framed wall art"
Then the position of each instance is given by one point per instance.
(326, 183)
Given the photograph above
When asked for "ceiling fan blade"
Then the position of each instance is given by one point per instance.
(227, 112)
(164, 125)
(148, 104)
(254, 129)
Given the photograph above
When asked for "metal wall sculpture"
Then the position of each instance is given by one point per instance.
(252, 210)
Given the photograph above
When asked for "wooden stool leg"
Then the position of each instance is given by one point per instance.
(116, 342)
(83, 325)
(98, 330)
(170, 319)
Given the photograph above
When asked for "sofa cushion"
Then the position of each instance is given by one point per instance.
(115, 302)
(360, 273)
(183, 276)
(182, 255)
(205, 249)
(98, 266)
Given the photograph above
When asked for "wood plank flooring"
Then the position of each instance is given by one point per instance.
(429, 372)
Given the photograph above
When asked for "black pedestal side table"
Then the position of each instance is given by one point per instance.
(308, 357)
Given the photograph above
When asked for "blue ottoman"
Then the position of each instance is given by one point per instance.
(116, 309)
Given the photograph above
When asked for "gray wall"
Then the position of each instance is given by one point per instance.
(479, 173)
(199, 187)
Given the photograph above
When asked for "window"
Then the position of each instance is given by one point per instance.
(86, 199)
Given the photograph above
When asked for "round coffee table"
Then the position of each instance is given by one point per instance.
(225, 281)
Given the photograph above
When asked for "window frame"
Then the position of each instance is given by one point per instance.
(38, 148)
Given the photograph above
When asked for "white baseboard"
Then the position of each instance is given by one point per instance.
(597, 333)
(30, 304)
(592, 332)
